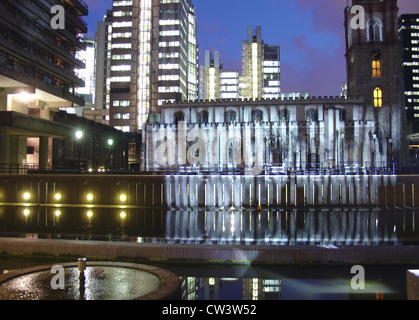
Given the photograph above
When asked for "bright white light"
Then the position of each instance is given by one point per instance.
(123, 215)
(89, 214)
(79, 134)
(58, 196)
(90, 197)
(123, 197)
(26, 212)
(26, 196)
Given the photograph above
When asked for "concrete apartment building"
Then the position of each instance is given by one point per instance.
(37, 76)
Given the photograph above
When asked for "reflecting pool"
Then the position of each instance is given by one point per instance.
(316, 226)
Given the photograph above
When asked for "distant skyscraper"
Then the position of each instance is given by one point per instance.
(261, 67)
(216, 83)
(103, 67)
(210, 76)
(271, 72)
(409, 36)
(88, 73)
(153, 59)
(229, 84)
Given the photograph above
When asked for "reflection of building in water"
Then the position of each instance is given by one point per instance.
(247, 288)
(189, 287)
(290, 227)
(261, 289)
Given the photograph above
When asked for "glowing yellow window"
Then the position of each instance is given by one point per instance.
(376, 68)
(378, 97)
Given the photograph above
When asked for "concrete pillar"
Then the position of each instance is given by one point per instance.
(43, 153)
(3, 102)
(4, 148)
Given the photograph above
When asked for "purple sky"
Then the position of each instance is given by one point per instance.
(310, 33)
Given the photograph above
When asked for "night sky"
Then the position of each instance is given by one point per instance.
(310, 33)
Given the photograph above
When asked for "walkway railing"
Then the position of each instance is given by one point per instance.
(366, 168)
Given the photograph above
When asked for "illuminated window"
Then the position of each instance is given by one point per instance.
(376, 68)
(374, 29)
(378, 97)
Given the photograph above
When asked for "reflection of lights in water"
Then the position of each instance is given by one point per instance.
(26, 212)
(211, 281)
(123, 215)
(89, 214)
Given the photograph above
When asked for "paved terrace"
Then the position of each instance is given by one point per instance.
(228, 254)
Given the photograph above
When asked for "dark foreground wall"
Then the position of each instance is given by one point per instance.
(212, 191)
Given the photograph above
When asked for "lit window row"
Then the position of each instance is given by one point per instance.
(123, 128)
(121, 68)
(227, 81)
(121, 103)
(169, 78)
(122, 35)
(122, 3)
(169, 89)
(121, 116)
(169, 55)
(169, 66)
(122, 24)
(169, 33)
(271, 70)
(169, 1)
(169, 44)
(121, 45)
(121, 57)
(270, 63)
(122, 13)
(169, 22)
(121, 79)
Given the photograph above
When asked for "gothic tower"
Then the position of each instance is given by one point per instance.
(373, 59)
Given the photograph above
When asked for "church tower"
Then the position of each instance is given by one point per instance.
(373, 59)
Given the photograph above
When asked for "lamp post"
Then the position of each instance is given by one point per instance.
(79, 136)
(110, 144)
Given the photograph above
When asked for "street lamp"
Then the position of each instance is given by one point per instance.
(79, 136)
(110, 144)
